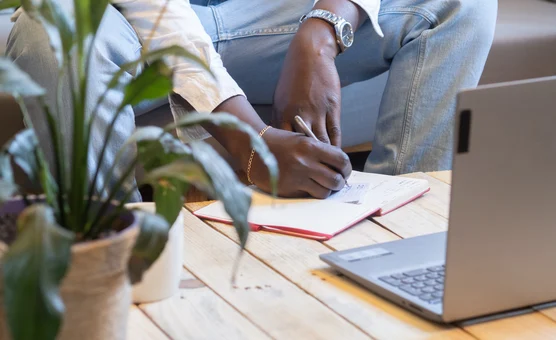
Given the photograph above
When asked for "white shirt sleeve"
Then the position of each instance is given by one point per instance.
(371, 7)
(181, 26)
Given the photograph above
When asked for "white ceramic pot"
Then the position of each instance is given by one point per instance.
(162, 279)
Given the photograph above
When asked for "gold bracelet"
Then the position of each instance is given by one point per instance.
(253, 155)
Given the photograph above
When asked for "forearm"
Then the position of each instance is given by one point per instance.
(235, 142)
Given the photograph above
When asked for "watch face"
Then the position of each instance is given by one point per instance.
(347, 35)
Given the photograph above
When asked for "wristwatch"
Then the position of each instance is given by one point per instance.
(344, 30)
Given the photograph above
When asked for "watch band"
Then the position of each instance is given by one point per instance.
(340, 25)
(322, 14)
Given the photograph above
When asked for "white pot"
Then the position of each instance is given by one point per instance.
(162, 279)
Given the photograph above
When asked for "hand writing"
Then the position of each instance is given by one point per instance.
(309, 85)
(307, 166)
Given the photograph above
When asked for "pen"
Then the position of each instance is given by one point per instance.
(308, 132)
(304, 127)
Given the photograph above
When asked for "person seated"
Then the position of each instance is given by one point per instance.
(295, 55)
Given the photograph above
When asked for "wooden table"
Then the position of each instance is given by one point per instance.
(284, 291)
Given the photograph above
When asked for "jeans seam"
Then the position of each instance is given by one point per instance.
(428, 16)
(408, 117)
(219, 26)
(289, 29)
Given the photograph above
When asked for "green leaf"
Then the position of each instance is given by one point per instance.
(155, 147)
(168, 143)
(187, 171)
(7, 183)
(173, 51)
(169, 197)
(231, 122)
(153, 83)
(88, 16)
(97, 8)
(146, 133)
(22, 148)
(33, 268)
(48, 184)
(59, 28)
(16, 82)
(26, 153)
(149, 245)
(154, 56)
(60, 163)
(227, 188)
(5, 4)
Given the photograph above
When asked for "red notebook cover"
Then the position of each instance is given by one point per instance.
(368, 195)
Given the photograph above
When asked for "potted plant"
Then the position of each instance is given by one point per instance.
(68, 255)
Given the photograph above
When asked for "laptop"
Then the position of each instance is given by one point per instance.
(499, 252)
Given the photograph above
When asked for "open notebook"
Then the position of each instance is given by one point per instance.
(367, 194)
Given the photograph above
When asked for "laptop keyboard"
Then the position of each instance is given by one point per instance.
(425, 283)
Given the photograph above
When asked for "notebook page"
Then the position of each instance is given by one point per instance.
(315, 216)
(331, 215)
(354, 194)
(394, 192)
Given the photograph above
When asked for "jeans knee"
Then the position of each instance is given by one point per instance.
(477, 17)
(28, 46)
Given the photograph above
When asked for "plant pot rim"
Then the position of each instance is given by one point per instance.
(87, 245)
(104, 241)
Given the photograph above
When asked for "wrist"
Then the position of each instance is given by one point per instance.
(318, 37)
(236, 142)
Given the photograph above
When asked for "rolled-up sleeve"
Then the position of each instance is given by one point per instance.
(181, 26)
(371, 7)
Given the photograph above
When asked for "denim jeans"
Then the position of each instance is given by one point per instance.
(432, 49)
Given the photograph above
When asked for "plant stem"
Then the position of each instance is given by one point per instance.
(113, 193)
(24, 111)
(89, 121)
(119, 154)
(108, 179)
(93, 183)
(59, 105)
(59, 159)
(76, 192)
(155, 26)
(59, 91)
(108, 220)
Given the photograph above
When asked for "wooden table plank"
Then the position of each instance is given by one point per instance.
(193, 312)
(444, 176)
(549, 312)
(140, 327)
(528, 326)
(360, 235)
(265, 297)
(297, 259)
(425, 215)
(437, 199)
